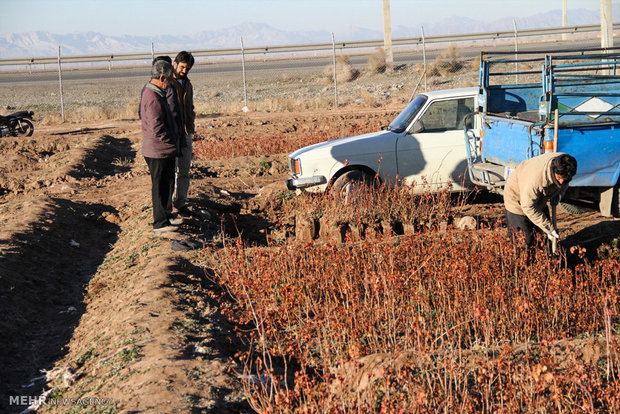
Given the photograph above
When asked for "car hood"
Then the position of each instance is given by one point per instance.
(379, 141)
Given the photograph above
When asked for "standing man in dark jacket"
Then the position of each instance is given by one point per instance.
(159, 144)
(173, 102)
(182, 64)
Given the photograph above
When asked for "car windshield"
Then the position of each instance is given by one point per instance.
(402, 121)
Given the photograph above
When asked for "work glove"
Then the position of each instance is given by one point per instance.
(553, 235)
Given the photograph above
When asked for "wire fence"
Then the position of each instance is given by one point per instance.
(259, 79)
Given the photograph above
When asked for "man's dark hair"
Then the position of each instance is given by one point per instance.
(161, 68)
(565, 165)
(185, 57)
(164, 58)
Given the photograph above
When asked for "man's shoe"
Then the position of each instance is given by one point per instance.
(184, 211)
(165, 229)
(175, 220)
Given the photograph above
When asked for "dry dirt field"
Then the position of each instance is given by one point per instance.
(110, 311)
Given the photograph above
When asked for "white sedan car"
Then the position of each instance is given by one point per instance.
(424, 144)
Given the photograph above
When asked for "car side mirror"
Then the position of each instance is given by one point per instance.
(418, 126)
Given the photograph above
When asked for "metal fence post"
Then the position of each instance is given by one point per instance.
(62, 102)
(424, 57)
(514, 22)
(152, 52)
(245, 88)
(335, 73)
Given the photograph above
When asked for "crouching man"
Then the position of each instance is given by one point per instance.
(534, 183)
(160, 140)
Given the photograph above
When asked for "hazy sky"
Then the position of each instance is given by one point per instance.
(145, 17)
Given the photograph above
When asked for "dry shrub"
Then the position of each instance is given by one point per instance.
(376, 62)
(277, 104)
(368, 99)
(271, 104)
(452, 58)
(211, 107)
(345, 72)
(320, 102)
(122, 162)
(49, 118)
(434, 69)
(447, 63)
(131, 109)
(91, 113)
(401, 97)
(475, 63)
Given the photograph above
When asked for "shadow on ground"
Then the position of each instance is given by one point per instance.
(43, 275)
(232, 223)
(44, 270)
(595, 236)
(209, 335)
(108, 157)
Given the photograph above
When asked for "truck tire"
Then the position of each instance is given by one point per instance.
(573, 208)
(349, 184)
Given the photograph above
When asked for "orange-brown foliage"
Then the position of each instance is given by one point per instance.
(220, 147)
(454, 303)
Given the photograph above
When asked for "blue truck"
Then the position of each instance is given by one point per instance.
(535, 102)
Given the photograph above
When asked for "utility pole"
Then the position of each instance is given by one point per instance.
(387, 36)
(607, 28)
(564, 18)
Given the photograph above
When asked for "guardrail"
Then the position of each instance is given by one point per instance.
(307, 47)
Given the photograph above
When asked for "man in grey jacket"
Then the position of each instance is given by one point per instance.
(534, 183)
(160, 140)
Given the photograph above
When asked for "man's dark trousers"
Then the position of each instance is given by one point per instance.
(518, 222)
(162, 186)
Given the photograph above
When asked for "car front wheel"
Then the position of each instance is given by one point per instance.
(350, 185)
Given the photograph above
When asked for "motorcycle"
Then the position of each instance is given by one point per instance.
(17, 124)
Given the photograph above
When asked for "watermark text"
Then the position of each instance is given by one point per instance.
(41, 400)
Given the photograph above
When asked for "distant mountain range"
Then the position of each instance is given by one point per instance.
(44, 44)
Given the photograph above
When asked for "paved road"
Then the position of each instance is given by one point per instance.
(270, 63)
